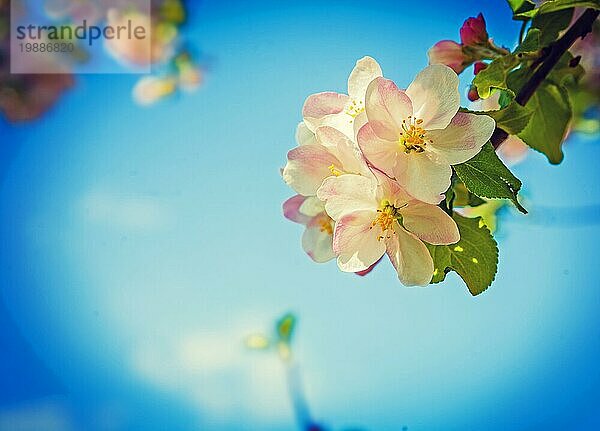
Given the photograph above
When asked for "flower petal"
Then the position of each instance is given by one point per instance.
(320, 105)
(356, 242)
(368, 270)
(291, 209)
(434, 95)
(304, 136)
(312, 206)
(430, 223)
(424, 179)
(462, 139)
(379, 152)
(410, 257)
(317, 240)
(449, 53)
(344, 149)
(365, 71)
(386, 106)
(348, 193)
(307, 167)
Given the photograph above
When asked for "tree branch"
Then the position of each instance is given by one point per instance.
(556, 50)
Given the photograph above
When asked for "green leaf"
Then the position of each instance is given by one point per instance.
(474, 257)
(285, 327)
(521, 6)
(565, 74)
(551, 24)
(548, 125)
(462, 197)
(511, 119)
(487, 177)
(531, 42)
(556, 5)
(494, 75)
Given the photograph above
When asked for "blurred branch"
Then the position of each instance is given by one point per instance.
(552, 55)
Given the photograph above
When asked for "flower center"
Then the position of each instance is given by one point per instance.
(355, 108)
(386, 215)
(413, 138)
(326, 225)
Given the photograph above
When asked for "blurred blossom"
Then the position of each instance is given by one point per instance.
(150, 89)
(449, 53)
(473, 31)
(513, 150)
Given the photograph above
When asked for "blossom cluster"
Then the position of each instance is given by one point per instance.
(371, 167)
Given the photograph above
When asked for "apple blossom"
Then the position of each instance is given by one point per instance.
(318, 236)
(330, 153)
(341, 111)
(374, 216)
(416, 135)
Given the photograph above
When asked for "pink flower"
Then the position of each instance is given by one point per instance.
(416, 135)
(318, 237)
(449, 53)
(478, 67)
(375, 216)
(473, 31)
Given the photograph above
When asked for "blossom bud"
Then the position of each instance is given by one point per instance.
(479, 66)
(472, 95)
(449, 53)
(473, 31)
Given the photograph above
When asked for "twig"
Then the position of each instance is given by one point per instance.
(579, 29)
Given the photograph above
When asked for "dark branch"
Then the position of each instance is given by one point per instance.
(555, 51)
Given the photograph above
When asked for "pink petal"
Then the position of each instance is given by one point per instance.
(449, 53)
(348, 193)
(356, 242)
(369, 269)
(425, 179)
(317, 240)
(321, 104)
(379, 152)
(386, 106)
(430, 223)
(307, 167)
(291, 209)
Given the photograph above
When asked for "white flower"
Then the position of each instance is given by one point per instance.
(376, 216)
(416, 135)
(341, 111)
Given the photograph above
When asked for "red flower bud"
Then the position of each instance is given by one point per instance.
(473, 31)
(449, 53)
(479, 66)
(472, 95)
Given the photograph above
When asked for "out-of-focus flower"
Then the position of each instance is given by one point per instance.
(478, 67)
(375, 216)
(134, 51)
(416, 135)
(473, 31)
(513, 150)
(449, 53)
(150, 89)
(341, 111)
(333, 154)
(318, 237)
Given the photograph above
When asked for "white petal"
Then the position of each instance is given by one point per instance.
(424, 179)
(356, 242)
(348, 193)
(410, 257)
(365, 71)
(312, 206)
(434, 95)
(320, 105)
(317, 240)
(462, 139)
(304, 136)
(430, 223)
(292, 209)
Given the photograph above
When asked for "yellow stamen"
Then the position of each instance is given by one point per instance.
(335, 171)
(355, 108)
(326, 226)
(387, 214)
(413, 137)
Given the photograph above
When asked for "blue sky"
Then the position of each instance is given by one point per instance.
(140, 246)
